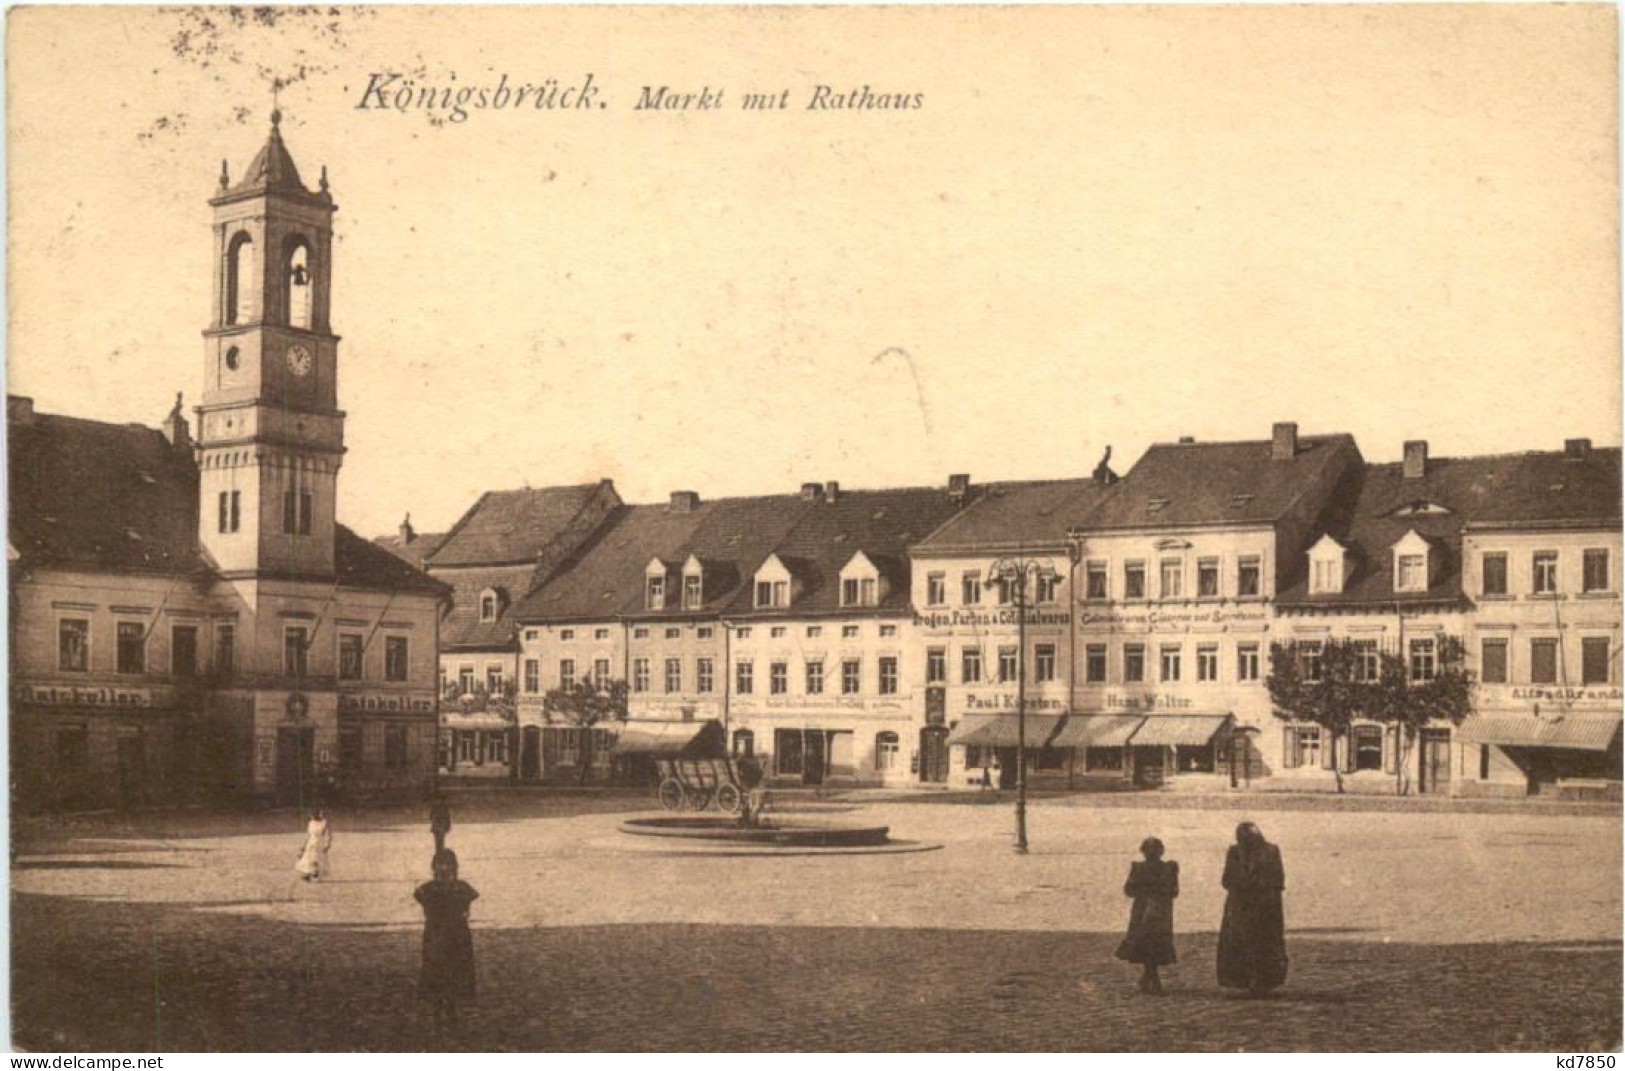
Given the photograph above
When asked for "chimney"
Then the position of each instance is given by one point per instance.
(407, 534)
(19, 410)
(832, 491)
(1576, 449)
(959, 486)
(1416, 459)
(1186, 440)
(1284, 442)
(176, 429)
(812, 492)
(685, 501)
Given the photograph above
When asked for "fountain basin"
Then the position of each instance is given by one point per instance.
(782, 834)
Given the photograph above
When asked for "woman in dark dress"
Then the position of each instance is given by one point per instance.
(1153, 884)
(448, 946)
(1252, 938)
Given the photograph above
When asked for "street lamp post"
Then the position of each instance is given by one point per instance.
(1017, 572)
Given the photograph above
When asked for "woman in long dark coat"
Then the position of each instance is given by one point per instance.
(448, 946)
(1252, 938)
(1153, 884)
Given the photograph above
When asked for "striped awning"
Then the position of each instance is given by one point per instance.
(1097, 730)
(1179, 730)
(1002, 730)
(672, 739)
(1578, 732)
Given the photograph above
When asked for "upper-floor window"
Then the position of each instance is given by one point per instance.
(1170, 663)
(1249, 568)
(568, 634)
(1173, 578)
(397, 662)
(936, 665)
(600, 672)
(1424, 662)
(1495, 574)
(465, 680)
(1094, 663)
(851, 676)
(600, 633)
(744, 678)
(1595, 570)
(640, 634)
(692, 593)
(1543, 661)
(849, 632)
(73, 645)
(1309, 658)
(772, 593)
(350, 646)
(640, 674)
(1009, 668)
(888, 675)
(1246, 661)
(674, 674)
(1134, 580)
(297, 507)
(1367, 665)
(1044, 662)
(936, 589)
(777, 632)
(705, 632)
(674, 633)
(493, 678)
(295, 644)
(533, 676)
(1595, 660)
(815, 677)
(1492, 661)
(655, 593)
(1094, 580)
(183, 650)
(888, 632)
(704, 675)
(1133, 663)
(231, 511)
(1047, 587)
(1207, 578)
(1545, 565)
(970, 665)
(1207, 662)
(970, 588)
(567, 673)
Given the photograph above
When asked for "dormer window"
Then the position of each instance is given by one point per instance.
(773, 584)
(1327, 562)
(1411, 563)
(692, 593)
(655, 593)
(860, 582)
(488, 605)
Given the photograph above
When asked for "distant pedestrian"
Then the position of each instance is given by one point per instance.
(448, 946)
(439, 820)
(312, 864)
(1153, 884)
(1252, 938)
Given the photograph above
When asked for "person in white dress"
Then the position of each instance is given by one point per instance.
(312, 864)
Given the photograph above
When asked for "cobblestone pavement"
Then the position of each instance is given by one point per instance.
(1407, 931)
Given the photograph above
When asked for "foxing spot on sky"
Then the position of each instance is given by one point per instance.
(1109, 225)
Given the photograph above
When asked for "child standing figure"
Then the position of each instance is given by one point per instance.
(312, 862)
(1153, 884)
(448, 946)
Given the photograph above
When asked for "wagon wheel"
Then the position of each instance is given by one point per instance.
(729, 799)
(700, 799)
(671, 794)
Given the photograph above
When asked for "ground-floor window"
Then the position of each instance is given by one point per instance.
(1194, 758)
(496, 747)
(350, 748)
(886, 751)
(397, 755)
(744, 743)
(1302, 746)
(787, 754)
(1103, 758)
(973, 758)
(443, 756)
(1366, 743)
(465, 747)
(1050, 758)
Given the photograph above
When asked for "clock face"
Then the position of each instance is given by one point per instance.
(299, 362)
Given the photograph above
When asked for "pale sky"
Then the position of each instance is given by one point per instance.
(1109, 225)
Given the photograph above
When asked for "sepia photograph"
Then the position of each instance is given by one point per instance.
(776, 529)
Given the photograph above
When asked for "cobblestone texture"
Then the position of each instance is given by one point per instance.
(1406, 931)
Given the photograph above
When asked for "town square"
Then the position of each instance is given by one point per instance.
(1407, 930)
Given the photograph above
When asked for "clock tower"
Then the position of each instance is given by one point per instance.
(270, 433)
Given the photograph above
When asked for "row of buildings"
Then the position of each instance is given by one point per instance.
(875, 636)
(188, 619)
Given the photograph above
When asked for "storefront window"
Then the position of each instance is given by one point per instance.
(1104, 758)
(885, 751)
(1194, 758)
(1366, 741)
(787, 751)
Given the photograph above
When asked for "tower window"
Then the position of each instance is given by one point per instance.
(233, 359)
(240, 305)
(296, 283)
(231, 510)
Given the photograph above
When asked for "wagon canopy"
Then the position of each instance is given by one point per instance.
(672, 740)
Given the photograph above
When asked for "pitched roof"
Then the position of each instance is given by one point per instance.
(272, 170)
(1451, 495)
(1029, 513)
(91, 495)
(1177, 485)
(605, 579)
(512, 527)
(462, 627)
(414, 552)
(881, 524)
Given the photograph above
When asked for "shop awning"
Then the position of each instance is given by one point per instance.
(1579, 732)
(1001, 730)
(1097, 730)
(671, 739)
(1179, 730)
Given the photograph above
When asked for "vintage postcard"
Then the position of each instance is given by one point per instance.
(892, 529)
